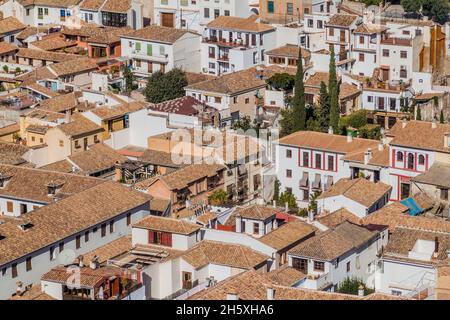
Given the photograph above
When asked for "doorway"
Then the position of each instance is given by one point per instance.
(187, 280)
(167, 19)
(404, 190)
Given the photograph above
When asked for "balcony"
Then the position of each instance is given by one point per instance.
(141, 55)
(224, 58)
(224, 43)
(318, 281)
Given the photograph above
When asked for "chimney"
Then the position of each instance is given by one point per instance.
(380, 146)
(68, 116)
(270, 293)
(361, 290)
(330, 130)
(310, 216)
(232, 296)
(349, 138)
(433, 124)
(436, 244)
(367, 156)
(239, 224)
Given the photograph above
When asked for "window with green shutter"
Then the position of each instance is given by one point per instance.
(138, 46)
(270, 7)
(149, 49)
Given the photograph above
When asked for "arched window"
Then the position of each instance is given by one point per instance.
(399, 156)
(421, 159)
(410, 161)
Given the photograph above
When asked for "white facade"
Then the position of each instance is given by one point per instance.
(385, 100)
(148, 57)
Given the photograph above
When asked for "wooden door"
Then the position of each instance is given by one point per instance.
(342, 36)
(187, 280)
(150, 67)
(167, 20)
(385, 74)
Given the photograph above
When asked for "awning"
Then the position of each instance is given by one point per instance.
(316, 182)
(304, 181)
(414, 208)
(329, 182)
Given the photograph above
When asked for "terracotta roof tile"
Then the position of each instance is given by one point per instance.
(6, 47)
(257, 212)
(11, 153)
(53, 43)
(290, 51)
(360, 190)
(98, 157)
(186, 105)
(342, 20)
(286, 276)
(239, 24)
(158, 34)
(111, 112)
(10, 24)
(118, 6)
(73, 66)
(45, 55)
(288, 234)
(93, 5)
(438, 175)
(225, 254)
(335, 218)
(167, 225)
(79, 125)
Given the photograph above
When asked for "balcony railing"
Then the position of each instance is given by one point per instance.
(225, 43)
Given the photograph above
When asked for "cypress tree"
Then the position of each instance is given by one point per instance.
(333, 93)
(418, 114)
(323, 112)
(298, 102)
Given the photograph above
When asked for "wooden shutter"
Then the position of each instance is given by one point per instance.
(9, 206)
(138, 46)
(166, 239)
(149, 50)
(150, 236)
(14, 270)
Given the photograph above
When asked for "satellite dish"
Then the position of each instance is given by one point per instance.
(67, 257)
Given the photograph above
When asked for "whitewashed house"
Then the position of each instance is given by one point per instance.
(346, 251)
(156, 48)
(359, 196)
(233, 44)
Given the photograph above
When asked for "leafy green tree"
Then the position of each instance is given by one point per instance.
(313, 201)
(333, 92)
(281, 81)
(244, 124)
(411, 5)
(286, 121)
(439, 10)
(289, 198)
(5, 68)
(165, 86)
(351, 286)
(441, 117)
(418, 114)
(298, 102)
(276, 190)
(218, 197)
(435, 9)
(355, 120)
(129, 80)
(323, 109)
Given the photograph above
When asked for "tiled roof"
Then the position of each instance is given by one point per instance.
(87, 277)
(98, 157)
(226, 254)
(286, 276)
(402, 240)
(420, 135)
(333, 243)
(60, 103)
(36, 87)
(159, 158)
(31, 184)
(182, 177)
(239, 24)
(370, 28)
(257, 212)
(29, 31)
(206, 218)
(11, 153)
(379, 157)
(118, 6)
(45, 55)
(6, 47)
(111, 112)
(9, 129)
(187, 105)
(34, 293)
(290, 51)
(84, 210)
(327, 142)
(79, 125)
(85, 30)
(108, 35)
(193, 77)
(60, 166)
(167, 225)
(73, 67)
(50, 3)
(335, 218)
(10, 24)
(35, 75)
(159, 205)
(437, 175)
(158, 34)
(91, 4)
(342, 20)
(360, 190)
(288, 234)
(53, 43)
(396, 214)
(109, 250)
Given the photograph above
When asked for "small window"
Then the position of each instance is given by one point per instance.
(403, 54)
(52, 253)
(319, 266)
(361, 39)
(128, 218)
(103, 230)
(444, 194)
(421, 159)
(288, 173)
(61, 247)
(78, 242)
(331, 32)
(111, 226)
(9, 206)
(29, 267)
(318, 161)
(399, 156)
(256, 228)
(369, 98)
(348, 266)
(288, 153)
(361, 57)
(14, 270)
(385, 52)
(247, 100)
(61, 143)
(86, 236)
